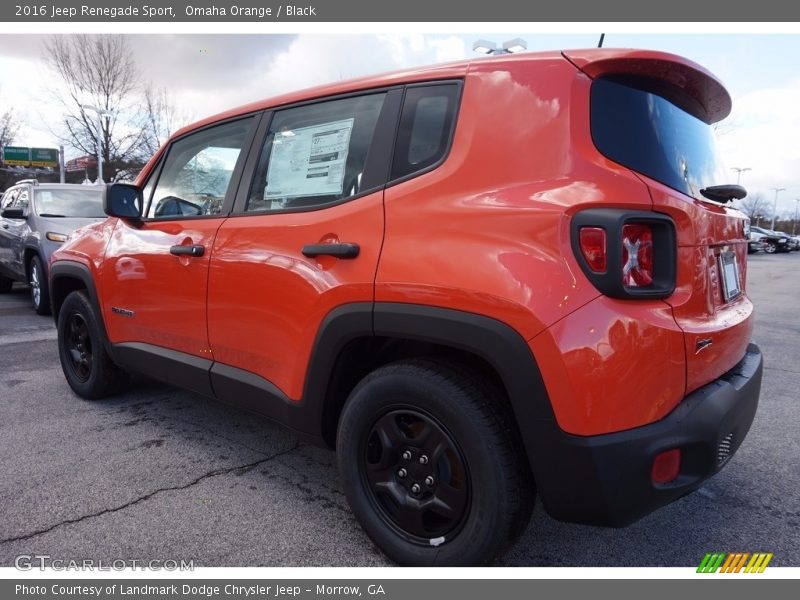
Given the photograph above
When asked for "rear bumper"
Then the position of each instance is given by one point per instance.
(605, 479)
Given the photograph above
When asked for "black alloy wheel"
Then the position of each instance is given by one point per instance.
(416, 475)
(79, 347)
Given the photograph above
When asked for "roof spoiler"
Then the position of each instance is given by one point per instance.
(708, 99)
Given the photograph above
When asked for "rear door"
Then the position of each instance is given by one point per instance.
(155, 274)
(304, 238)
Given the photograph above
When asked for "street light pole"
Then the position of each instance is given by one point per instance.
(775, 205)
(99, 142)
(739, 172)
(794, 224)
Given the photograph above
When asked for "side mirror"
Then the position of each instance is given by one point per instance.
(123, 200)
(13, 213)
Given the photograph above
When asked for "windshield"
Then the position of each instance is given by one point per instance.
(86, 203)
(651, 135)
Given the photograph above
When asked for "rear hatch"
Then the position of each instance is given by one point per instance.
(654, 113)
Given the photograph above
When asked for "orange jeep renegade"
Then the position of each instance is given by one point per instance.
(477, 281)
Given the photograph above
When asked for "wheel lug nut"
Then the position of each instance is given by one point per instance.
(423, 460)
(406, 455)
(415, 489)
(429, 481)
(402, 473)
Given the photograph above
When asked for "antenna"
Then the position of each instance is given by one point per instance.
(600, 43)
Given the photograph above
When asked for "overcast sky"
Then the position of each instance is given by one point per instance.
(210, 73)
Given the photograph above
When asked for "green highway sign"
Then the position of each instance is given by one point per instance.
(30, 157)
(44, 157)
(15, 155)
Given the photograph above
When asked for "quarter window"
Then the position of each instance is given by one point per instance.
(426, 125)
(197, 172)
(315, 155)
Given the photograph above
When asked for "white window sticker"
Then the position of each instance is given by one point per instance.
(309, 161)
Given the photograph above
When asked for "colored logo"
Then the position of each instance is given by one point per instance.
(734, 562)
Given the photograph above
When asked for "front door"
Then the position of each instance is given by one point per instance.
(155, 275)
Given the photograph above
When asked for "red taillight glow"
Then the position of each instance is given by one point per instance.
(593, 247)
(666, 466)
(637, 255)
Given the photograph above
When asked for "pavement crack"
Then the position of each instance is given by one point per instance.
(210, 474)
(766, 368)
(214, 433)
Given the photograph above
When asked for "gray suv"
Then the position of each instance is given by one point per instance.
(35, 219)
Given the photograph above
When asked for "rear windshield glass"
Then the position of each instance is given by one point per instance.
(653, 136)
(70, 203)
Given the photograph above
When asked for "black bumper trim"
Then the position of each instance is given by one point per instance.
(605, 479)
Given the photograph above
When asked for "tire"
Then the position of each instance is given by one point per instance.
(40, 288)
(5, 284)
(771, 248)
(89, 370)
(408, 411)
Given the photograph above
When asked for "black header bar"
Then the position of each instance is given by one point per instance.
(439, 11)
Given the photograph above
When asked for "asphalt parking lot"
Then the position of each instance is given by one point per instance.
(163, 474)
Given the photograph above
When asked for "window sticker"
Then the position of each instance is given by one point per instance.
(309, 161)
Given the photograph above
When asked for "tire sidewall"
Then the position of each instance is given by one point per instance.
(476, 542)
(77, 302)
(43, 308)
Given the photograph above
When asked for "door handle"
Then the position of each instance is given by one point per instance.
(340, 250)
(195, 250)
(5, 225)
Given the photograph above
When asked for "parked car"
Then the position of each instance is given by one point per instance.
(449, 275)
(774, 240)
(35, 219)
(793, 242)
(756, 242)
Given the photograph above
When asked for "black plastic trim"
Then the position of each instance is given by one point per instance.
(340, 327)
(612, 221)
(341, 250)
(170, 366)
(251, 392)
(606, 480)
(67, 269)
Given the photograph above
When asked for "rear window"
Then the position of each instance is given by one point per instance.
(650, 134)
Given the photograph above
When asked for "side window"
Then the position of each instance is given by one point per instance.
(315, 155)
(197, 172)
(8, 198)
(426, 125)
(22, 200)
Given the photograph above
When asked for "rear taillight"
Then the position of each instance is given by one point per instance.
(637, 255)
(626, 253)
(593, 247)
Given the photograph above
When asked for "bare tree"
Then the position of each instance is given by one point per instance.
(753, 206)
(99, 71)
(162, 119)
(727, 125)
(9, 127)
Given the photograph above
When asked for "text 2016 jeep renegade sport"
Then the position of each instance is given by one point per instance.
(477, 281)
